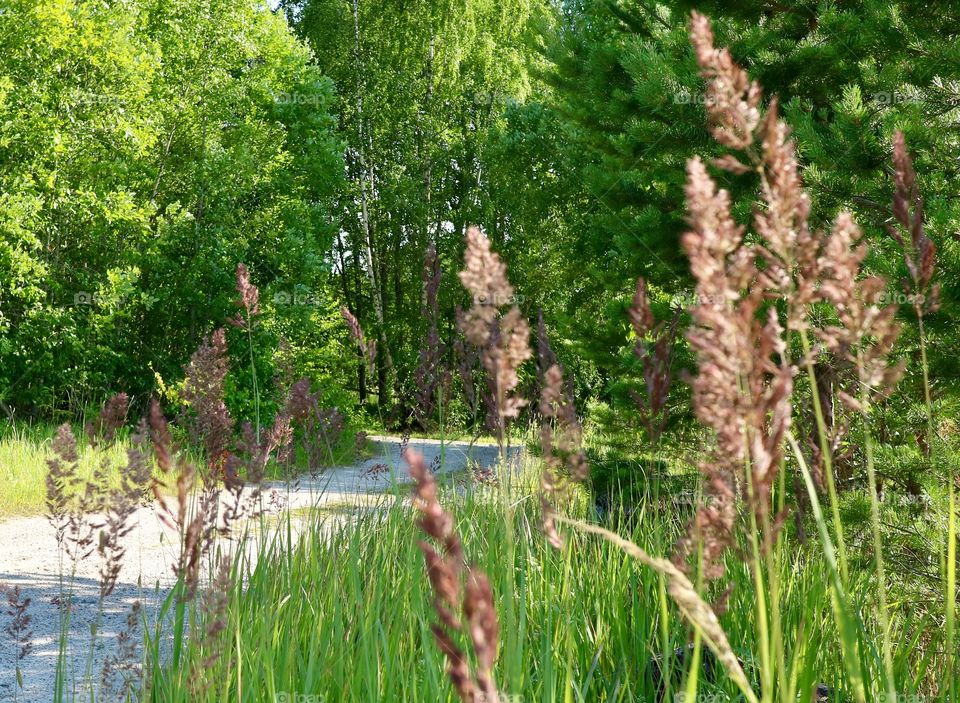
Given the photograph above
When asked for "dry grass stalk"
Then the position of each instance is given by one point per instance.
(366, 348)
(204, 391)
(467, 359)
(459, 592)
(545, 354)
(214, 607)
(480, 394)
(432, 377)
(94, 514)
(919, 251)
(744, 386)
(654, 347)
(320, 428)
(249, 297)
(238, 467)
(503, 338)
(111, 418)
(732, 99)
(561, 437)
(920, 256)
(19, 626)
(120, 504)
(123, 664)
(867, 330)
(257, 454)
(196, 523)
(697, 611)
(63, 483)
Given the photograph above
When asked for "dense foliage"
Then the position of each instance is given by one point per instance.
(727, 332)
(148, 148)
(145, 149)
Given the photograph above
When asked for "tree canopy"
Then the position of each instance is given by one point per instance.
(148, 147)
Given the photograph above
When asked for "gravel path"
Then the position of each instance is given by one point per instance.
(29, 558)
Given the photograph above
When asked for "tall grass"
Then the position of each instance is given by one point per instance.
(345, 614)
(24, 450)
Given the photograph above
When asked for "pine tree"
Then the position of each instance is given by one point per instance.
(847, 76)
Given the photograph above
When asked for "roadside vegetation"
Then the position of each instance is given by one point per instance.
(692, 284)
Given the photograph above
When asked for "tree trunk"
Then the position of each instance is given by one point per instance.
(384, 360)
(353, 302)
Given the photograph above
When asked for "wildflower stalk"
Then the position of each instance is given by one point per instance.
(744, 385)
(502, 337)
(463, 598)
(18, 629)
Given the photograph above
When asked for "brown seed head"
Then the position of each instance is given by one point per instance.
(445, 570)
(732, 99)
(249, 293)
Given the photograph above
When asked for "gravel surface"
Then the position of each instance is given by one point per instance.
(29, 558)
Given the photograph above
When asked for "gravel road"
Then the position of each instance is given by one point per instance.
(29, 558)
